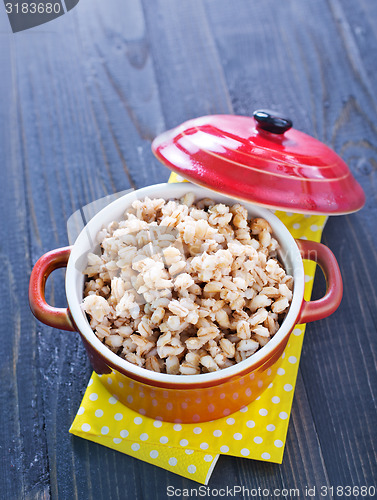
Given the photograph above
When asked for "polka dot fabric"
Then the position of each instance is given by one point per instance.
(104, 420)
(257, 431)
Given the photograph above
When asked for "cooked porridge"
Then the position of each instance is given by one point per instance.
(186, 286)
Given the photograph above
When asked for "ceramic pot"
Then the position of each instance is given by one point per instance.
(180, 398)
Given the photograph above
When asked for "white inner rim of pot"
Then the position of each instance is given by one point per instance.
(87, 242)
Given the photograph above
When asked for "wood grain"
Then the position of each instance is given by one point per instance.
(82, 98)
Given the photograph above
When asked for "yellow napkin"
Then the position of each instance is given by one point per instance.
(191, 450)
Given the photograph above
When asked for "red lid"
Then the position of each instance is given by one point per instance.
(261, 160)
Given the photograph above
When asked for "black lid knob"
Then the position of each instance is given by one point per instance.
(271, 121)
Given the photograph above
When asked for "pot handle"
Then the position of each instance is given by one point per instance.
(321, 308)
(53, 316)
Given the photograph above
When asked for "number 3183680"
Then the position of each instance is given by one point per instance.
(33, 8)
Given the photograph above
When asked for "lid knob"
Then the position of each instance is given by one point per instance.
(270, 121)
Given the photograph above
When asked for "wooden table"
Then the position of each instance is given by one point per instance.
(82, 97)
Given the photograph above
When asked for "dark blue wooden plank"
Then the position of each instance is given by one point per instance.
(187, 66)
(23, 450)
